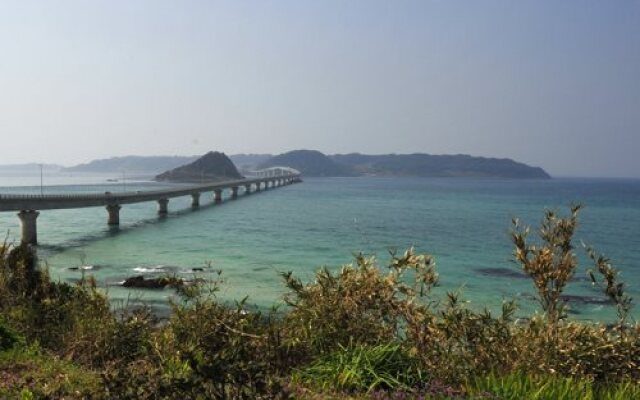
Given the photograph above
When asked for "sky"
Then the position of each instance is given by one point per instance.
(553, 83)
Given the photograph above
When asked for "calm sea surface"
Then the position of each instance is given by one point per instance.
(464, 223)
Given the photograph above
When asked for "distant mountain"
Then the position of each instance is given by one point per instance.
(428, 165)
(247, 162)
(211, 167)
(314, 163)
(30, 168)
(309, 162)
(153, 165)
(134, 164)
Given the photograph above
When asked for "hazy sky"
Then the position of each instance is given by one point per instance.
(551, 83)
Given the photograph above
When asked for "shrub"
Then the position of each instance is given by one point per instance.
(8, 337)
(457, 342)
(207, 350)
(73, 321)
(579, 350)
(358, 304)
(611, 285)
(551, 264)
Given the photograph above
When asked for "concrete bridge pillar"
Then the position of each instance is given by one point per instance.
(234, 192)
(114, 214)
(195, 200)
(257, 186)
(217, 195)
(29, 228)
(162, 206)
(247, 189)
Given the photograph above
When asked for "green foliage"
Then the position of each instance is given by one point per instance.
(230, 351)
(30, 373)
(458, 342)
(8, 337)
(74, 321)
(363, 368)
(358, 304)
(579, 350)
(206, 350)
(519, 386)
(362, 331)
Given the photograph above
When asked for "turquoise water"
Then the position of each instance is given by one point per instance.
(464, 223)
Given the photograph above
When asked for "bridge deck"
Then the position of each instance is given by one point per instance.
(19, 202)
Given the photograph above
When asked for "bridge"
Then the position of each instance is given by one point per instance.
(29, 205)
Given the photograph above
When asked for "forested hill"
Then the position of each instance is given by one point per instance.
(310, 163)
(213, 166)
(314, 163)
(427, 165)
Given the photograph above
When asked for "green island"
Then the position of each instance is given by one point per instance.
(364, 331)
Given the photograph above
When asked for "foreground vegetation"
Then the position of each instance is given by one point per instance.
(360, 332)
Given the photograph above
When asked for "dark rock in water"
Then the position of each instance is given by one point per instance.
(211, 167)
(197, 269)
(502, 272)
(140, 282)
(152, 283)
(573, 298)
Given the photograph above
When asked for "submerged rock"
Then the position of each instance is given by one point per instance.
(503, 272)
(574, 298)
(151, 283)
(140, 282)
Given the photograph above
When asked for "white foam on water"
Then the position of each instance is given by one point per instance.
(151, 270)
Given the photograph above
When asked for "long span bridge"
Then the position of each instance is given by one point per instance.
(29, 205)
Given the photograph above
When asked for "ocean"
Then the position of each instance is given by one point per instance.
(463, 223)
